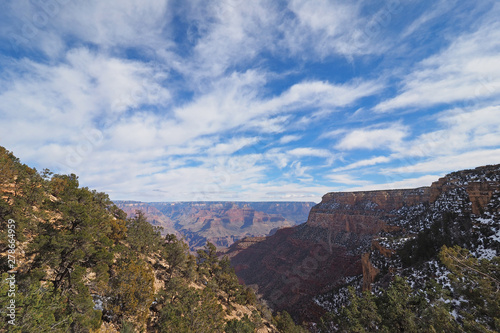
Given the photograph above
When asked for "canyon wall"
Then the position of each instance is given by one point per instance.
(342, 232)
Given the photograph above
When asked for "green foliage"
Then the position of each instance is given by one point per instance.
(38, 308)
(118, 224)
(141, 235)
(185, 309)
(227, 281)
(81, 248)
(449, 229)
(81, 304)
(127, 327)
(284, 323)
(21, 190)
(219, 275)
(176, 253)
(132, 290)
(478, 282)
(360, 315)
(397, 309)
(207, 261)
(75, 244)
(245, 325)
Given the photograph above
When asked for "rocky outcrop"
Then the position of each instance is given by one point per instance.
(293, 264)
(362, 212)
(370, 272)
(480, 195)
(346, 238)
(479, 184)
(297, 263)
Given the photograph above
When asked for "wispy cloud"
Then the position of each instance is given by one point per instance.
(445, 163)
(467, 70)
(347, 179)
(227, 148)
(371, 138)
(438, 9)
(460, 131)
(365, 163)
(299, 152)
(262, 100)
(289, 138)
(426, 180)
(49, 26)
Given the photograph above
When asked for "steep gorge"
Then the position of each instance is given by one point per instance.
(353, 236)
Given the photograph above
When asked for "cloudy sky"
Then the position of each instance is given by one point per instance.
(174, 100)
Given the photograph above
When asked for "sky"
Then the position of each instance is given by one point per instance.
(191, 100)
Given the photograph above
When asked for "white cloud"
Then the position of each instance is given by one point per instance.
(163, 100)
(277, 157)
(289, 138)
(372, 138)
(234, 32)
(229, 32)
(323, 94)
(469, 69)
(235, 102)
(228, 148)
(449, 163)
(364, 163)
(460, 131)
(58, 104)
(325, 28)
(302, 152)
(438, 9)
(107, 23)
(269, 124)
(347, 179)
(288, 191)
(298, 171)
(426, 180)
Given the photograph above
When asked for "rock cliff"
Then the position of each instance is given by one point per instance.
(353, 238)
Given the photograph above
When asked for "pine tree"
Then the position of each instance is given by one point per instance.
(175, 252)
(142, 237)
(478, 282)
(131, 290)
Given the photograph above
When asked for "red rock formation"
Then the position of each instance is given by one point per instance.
(289, 267)
(480, 194)
(221, 223)
(370, 272)
(480, 191)
(382, 250)
(362, 212)
(296, 264)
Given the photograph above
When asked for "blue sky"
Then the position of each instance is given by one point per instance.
(169, 100)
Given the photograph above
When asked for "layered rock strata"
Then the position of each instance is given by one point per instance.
(342, 232)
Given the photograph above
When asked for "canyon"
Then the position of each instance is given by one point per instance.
(354, 239)
(220, 222)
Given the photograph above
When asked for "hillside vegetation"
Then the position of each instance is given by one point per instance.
(403, 260)
(82, 266)
(72, 261)
(438, 270)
